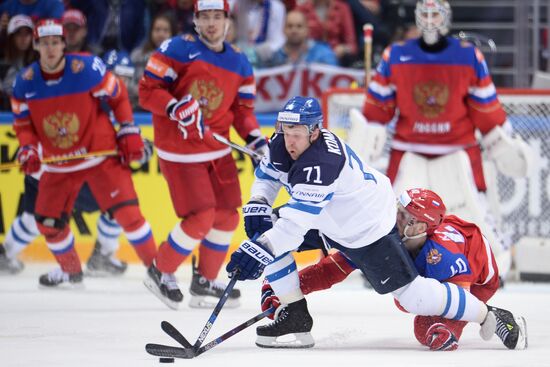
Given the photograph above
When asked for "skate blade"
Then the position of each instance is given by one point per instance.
(150, 284)
(211, 302)
(488, 327)
(293, 340)
(94, 273)
(522, 337)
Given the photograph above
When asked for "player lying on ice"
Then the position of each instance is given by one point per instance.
(335, 193)
(445, 248)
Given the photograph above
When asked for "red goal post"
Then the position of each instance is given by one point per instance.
(524, 202)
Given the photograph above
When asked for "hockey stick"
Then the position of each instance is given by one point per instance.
(188, 353)
(174, 333)
(367, 37)
(238, 147)
(99, 153)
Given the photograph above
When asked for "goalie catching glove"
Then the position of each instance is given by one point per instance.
(512, 156)
(188, 115)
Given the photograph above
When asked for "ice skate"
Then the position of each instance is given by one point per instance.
(100, 265)
(164, 286)
(58, 279)
(206, 293)
(511, 330)
(9, 266)
(291, 328)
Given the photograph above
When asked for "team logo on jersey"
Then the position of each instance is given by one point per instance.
(431, 98)
(433, 257)
(209, 96)
(77, 66)
(62, 129)
(28, 74)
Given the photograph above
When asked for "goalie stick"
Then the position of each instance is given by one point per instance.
(160, 350)
(238, 147)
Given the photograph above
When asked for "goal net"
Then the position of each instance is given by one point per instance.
(524, 203)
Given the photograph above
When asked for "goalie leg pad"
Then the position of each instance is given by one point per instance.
(412, 171)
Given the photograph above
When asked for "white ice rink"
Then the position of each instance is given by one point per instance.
(110, 321)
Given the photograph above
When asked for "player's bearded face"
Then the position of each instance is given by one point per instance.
(297, 138)
(51, 50)
(212, 25)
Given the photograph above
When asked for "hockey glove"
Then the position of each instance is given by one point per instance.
(269, 300)
(29, 159)
(250, 259)
(439, 337)
(257, 217)
(130, 144)
(188, 114)
(258, 143)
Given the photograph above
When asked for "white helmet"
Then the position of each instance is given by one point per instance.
(433, 19)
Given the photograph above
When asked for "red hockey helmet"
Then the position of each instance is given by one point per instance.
(201, 5)
(48, 27)
(425, 206)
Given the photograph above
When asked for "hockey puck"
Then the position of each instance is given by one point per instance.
(166, 360)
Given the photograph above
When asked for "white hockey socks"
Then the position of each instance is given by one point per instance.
(282, 275)
(429, 297)
(23, 231)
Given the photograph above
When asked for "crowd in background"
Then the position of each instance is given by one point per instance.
(126, 32)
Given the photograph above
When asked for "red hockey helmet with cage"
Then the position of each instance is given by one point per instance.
(48, 27)
(425, 206)
(201, 5)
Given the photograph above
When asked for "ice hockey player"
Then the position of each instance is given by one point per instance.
(56, 106)
(335, 193)
(445, 248)
(196, 85)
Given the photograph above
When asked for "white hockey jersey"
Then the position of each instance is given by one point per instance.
(332, 190)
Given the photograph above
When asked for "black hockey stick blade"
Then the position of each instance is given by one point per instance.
(160, 350)
(174, 333)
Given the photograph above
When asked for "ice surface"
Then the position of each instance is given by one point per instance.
(109, 322)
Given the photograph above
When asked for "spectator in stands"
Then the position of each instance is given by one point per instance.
(370, 11)
(36, 9)
(264, 28)
(299, 47)
(331, 21)
(114, 24)
(184, 16)
(19, 50)
(163, 27)
(76, 30)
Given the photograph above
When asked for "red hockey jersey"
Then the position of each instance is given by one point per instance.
(223, 84)
(442, 97)
(64, 115)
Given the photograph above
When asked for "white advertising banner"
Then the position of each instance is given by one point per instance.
(274, 86)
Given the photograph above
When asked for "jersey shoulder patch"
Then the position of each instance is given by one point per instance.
(437, 261)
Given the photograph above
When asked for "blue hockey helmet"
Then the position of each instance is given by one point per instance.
(119, 62)
(302, 111)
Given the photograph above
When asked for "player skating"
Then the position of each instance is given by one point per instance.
(335, 193)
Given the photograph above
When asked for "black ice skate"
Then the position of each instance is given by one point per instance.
(9, 266)
(164, 286)
(206, 293)
(57, 278)
(291, 329)
(511, 330)
(100, 265)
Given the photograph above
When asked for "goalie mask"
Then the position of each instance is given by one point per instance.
(420, 205)
(433, 19)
